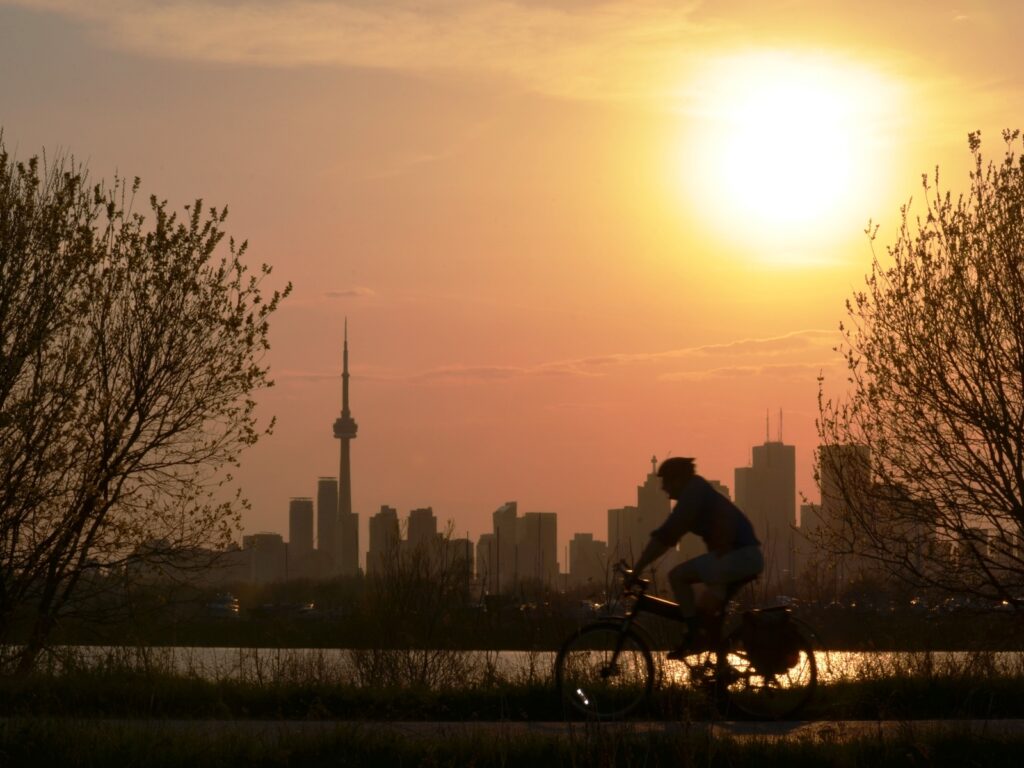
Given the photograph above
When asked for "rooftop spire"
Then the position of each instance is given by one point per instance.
(344, 374)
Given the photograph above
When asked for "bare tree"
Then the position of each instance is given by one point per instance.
(922, 464)
(130, 349)
(414, 597)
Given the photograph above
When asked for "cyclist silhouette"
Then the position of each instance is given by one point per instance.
(734, 552)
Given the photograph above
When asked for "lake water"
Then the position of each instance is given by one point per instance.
(333, 665)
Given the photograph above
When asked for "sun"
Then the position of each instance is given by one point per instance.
(785, 147)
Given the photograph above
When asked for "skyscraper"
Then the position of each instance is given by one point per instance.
(300, 528)
(845, 477)
(504, 565)
(268, 557)
(537, 547)
(629, 528)
(766, 492)
(384, 538)
(486, 558)
(348, 523)
(588, 562)
(422, 531)
(327, 522)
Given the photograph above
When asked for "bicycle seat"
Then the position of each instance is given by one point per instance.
(734, 587)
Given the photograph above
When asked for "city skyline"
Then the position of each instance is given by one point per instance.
(765, 492)
(626, 531)
(757, 488)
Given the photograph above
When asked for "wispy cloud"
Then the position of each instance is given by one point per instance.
(775, 345)
(811, 340)
(355, 292)
(469, 373)
(591, 50)
(805, 352)
(789, 372)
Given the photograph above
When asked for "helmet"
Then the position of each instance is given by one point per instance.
(676, 467)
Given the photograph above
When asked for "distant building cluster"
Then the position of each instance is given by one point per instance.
(521, 549)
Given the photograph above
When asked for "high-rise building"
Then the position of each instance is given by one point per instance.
(327, 522)
(268, 557)
(345, 429)
(623, 541)
(300, 527)
(588, 562)
(629, 528)
(505, 520)
(845, 478)
(422, 532)
(301, 560)
(486, 558)
(537, 547)
(348, 544)
(457, 560)
(808, 528)
(845, 472)
(766, 492)
(384, 539)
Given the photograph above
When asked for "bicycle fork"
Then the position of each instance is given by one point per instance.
(612, 668)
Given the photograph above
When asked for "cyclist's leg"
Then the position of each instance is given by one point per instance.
(738, 565)
(683, 577)
(722, 572)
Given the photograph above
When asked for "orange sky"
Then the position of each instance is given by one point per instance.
(567, 235)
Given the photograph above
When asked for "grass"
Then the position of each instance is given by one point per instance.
(45, 742)
(469, 687)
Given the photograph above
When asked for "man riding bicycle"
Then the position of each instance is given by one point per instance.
(734, 552)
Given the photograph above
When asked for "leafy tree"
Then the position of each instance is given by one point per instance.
(130, 350)
(922, 464)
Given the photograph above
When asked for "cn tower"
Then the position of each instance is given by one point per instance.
(345, 431)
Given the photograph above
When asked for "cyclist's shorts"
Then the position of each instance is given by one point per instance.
(718, 572)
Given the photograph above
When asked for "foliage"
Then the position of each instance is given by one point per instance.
(130, 349)
(922, 465)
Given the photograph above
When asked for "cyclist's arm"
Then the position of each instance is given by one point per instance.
(677, 525)
(652, 552)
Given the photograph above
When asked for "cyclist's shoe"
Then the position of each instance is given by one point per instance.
(694, 642)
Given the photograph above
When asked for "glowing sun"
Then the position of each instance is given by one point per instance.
(786, 146)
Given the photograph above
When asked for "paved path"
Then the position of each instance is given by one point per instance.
(814, 731)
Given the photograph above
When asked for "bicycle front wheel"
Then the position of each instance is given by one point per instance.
(604, 671)
(749, 688)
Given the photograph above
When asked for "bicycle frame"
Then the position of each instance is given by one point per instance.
(643, 603)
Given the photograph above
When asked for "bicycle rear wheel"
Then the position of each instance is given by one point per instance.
(776, 693)
(604, 672)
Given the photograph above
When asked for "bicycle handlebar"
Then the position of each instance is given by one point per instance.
(630, 581)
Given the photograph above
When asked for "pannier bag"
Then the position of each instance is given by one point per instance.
(771, 640)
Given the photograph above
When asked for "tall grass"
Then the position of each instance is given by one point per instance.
(454, 685)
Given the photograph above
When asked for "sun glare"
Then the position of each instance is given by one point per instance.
(786, 149)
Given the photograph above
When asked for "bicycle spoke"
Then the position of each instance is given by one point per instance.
(767, 693)
(604, 672)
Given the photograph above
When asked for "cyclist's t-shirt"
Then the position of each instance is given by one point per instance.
(704, 511)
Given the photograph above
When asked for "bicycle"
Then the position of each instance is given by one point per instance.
(763, 667)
